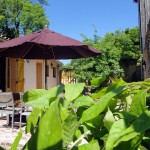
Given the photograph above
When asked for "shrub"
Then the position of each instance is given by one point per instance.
(113, 117)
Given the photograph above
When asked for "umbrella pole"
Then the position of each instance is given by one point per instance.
(45, 73)
(17, 75)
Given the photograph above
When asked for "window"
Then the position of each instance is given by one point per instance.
(47, 70)
(54, 72)
(8, 73)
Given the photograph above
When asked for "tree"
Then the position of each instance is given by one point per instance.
(21, 17)
(42, 2)
(118, 46)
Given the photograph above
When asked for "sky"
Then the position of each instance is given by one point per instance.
(75, 17)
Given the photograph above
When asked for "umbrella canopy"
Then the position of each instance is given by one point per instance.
(46, 44)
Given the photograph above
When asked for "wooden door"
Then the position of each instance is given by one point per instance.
(12, 76)
(20, 75)
(39, 75)
(15, 75)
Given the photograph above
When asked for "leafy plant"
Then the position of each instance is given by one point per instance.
(119, 49)
(112, 118)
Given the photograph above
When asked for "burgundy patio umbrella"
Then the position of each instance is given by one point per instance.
(46, 44)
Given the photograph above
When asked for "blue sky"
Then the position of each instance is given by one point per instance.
(75, 17)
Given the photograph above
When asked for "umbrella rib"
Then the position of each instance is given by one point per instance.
(28, 50)
(51, 49)
(53, 52)
(41, 46)
(80, 53)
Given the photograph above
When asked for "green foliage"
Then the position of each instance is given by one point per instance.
(21, 17)
(16, 141)
(109, 119)
(41, 2)
(101, 105)
(98, 81)
(32, 18)
(118, 47)
(49, 133)
(73, 91)
(32, 120)
(56, 91)
(138, 105)
(121, 132)
(37, 98)
(70, 125)
(118, 118)
(83, 101)
(93, 145)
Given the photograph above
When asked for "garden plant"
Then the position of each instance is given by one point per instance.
(110, 118)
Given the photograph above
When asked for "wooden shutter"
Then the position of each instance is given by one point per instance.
(20, 74)
(39, 75)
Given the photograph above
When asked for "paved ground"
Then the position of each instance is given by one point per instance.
(7, 136)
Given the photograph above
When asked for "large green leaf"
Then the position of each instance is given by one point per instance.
(15, 144)
(118, 81)
(83, 101)
(49, 133)
(32, 120)
(63, 113)
(72, 91)
(98, 81)
(56, 91)
(132, 144)
(118, 127)
(70, 125)
(36, 98)
(139, 126)
(138, 105)
(144, 84)
(128, 102)
(112, 104)
(141, 147)
(92, 145)
(126, 115)
(104, 91)
(96, 122)
(109, 119)
(78, 133)
(98, 107)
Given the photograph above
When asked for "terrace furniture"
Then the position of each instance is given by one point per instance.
(7, 106)
(25, 109)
